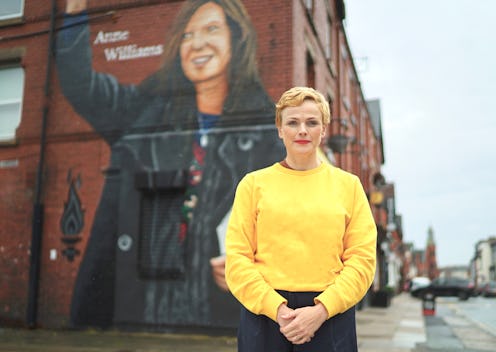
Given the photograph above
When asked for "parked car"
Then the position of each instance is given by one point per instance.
(419, 282)
(489, 289)
(446, 287)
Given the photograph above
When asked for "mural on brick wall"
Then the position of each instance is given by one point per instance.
(180, 142)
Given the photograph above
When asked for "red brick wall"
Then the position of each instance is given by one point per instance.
(73, 146)
(16, 197)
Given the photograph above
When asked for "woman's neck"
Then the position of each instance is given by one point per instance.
(210, 96)
(303, 163)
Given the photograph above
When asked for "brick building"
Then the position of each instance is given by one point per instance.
(65, 174)
(430, 256)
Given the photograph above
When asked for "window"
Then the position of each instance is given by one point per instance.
(331, 106)
(327, 39)
(310, 70)
(11, 9)
(11, 93)
(309, 5)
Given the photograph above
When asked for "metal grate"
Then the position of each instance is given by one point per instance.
(161, 252)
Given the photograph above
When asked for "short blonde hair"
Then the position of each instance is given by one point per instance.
(296, 96)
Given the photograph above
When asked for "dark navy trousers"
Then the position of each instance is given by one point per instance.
(259, 333)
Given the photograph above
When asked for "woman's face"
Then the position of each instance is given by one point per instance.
(301, 128)
(206, 45)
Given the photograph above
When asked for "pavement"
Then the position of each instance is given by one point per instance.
(401, 327)
(397, 328)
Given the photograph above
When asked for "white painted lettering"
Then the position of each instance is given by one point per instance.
(111, 37)
(132, 51)
(110, 54)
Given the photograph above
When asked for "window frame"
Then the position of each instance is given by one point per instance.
(13, 16)
(11, 138)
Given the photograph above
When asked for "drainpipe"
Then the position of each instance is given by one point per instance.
(37, 220)
(339, 158)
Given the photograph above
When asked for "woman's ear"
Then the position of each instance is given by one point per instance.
(324, 129)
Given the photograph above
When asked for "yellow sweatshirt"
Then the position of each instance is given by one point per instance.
(299, 231)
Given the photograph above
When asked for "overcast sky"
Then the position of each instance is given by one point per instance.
(432, 64)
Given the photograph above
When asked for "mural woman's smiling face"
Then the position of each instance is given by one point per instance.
(206, 45)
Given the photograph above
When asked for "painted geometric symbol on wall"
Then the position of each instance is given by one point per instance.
(72, 220)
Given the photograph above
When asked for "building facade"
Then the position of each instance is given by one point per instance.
(107, 151)
(483, 264)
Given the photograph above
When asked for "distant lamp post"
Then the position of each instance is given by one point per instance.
(338, 143)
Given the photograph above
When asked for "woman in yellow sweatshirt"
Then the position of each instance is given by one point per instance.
(301, 241)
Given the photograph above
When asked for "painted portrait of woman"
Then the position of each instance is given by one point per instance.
(180, 142)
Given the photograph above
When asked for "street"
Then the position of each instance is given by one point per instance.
(456, 326)
(481, 310)
(461, 325)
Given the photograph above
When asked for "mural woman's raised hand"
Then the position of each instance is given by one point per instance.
(75, 6)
